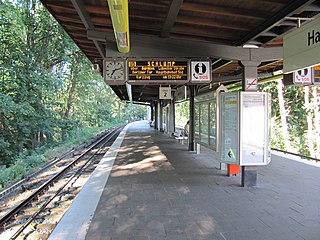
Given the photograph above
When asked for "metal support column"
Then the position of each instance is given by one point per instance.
(191, 118)
(152, 115)
(171, 117)
(249, 83)
(160, 125)
(156, 115)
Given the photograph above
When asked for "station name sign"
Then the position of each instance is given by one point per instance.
(158, 71)
(301, 47)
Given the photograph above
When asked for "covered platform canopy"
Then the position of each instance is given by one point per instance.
(218, 30)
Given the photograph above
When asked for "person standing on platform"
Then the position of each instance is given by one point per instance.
(186, 129)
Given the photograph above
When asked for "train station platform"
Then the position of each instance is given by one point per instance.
(152, 188)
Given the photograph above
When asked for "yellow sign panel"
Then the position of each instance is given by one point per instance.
(317, 67)
(157, 70)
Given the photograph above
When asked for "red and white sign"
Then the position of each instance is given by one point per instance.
(303, 76)
(251, 84)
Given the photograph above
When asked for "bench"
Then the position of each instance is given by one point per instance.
(179, 135)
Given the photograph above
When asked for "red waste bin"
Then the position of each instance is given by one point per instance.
(233, 169)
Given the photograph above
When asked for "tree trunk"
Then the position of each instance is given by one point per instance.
(72, 92)
(119, 110)
(42, 137)
(316, 121)
(283, 117)
(309, 139)
(70, 99)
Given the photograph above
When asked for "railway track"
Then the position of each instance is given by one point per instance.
(33, 213)
(19, 185)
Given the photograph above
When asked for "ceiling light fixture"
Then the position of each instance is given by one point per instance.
(250, 46)
(120, 21)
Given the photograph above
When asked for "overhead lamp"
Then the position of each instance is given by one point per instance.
(120, 22)
(250, 46)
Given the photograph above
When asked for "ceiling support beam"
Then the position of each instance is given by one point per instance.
(274, 20)
(85, 18)
(150, 46)
(220, 64)
(171, 17)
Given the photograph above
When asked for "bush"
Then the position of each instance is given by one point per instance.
(26, 162)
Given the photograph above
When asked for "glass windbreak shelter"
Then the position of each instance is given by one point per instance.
(205, 120)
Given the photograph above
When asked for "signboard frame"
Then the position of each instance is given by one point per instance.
(301, 47)
(165, 93)
(254, 129)
(303, 76)
(153, 66)
(229, 127)
(316, 75)
(200, 74)
(181, 94)
(114, 71)
(238, 137)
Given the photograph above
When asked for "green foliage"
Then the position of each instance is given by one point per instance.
(48, 92)
(22, 164)
(296, 117)
(27, 161)
(182, 113)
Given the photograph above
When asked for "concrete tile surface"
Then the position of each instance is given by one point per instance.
(159, 190)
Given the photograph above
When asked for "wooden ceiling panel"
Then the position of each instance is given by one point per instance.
(205, 31)
(225, 22)
(212, 22)
(226, 11)
(150, 4)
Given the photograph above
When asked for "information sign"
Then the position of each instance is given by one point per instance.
(229, 128)
(244, 128)
(251, 84)
(254, 129)
(156, 71)
(165, 93)
(181, 94)
(201, 71)
(303, 76)
(301, 47)
(316, 73)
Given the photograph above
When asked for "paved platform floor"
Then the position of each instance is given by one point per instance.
(159, 190)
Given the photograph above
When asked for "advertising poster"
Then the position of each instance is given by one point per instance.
(253, 129)
(229, 120)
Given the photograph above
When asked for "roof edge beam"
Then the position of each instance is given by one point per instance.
(85, 18)
(274, 20)
(150, 46)
(171, 17)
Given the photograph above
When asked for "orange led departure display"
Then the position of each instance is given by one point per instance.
(157, 70)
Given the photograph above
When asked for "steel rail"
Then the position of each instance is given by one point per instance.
(17, 208)
(78, 172)
(48, 165)
(296, 154)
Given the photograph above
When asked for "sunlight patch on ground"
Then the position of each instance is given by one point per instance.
(153, 160)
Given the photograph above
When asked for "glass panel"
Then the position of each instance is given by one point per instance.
(181, 114)
(196, 122)
(204, 123)
(213, 125)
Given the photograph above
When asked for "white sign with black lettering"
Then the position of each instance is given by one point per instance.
(301, 47)
(165, 93)
(201, 71)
